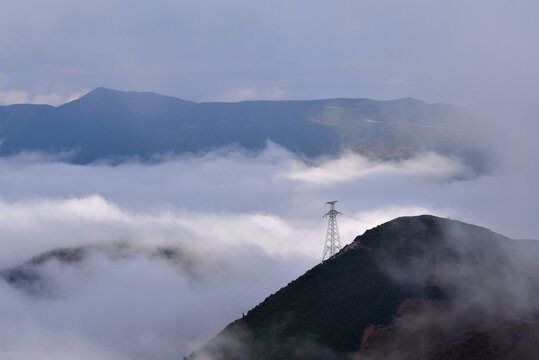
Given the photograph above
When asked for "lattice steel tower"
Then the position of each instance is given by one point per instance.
(333, 241)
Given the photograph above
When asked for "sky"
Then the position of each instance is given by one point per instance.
(437, 51)
(248, 223)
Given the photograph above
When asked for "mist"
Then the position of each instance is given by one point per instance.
(245, 224)
(476, 298)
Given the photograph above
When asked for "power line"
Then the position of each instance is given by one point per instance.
(358, 219)
(270, 270)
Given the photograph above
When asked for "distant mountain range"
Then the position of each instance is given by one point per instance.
(28, 277)
(115, 125)
(413, 288)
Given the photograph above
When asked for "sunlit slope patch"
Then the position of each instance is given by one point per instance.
(114, 125)
(410, 287)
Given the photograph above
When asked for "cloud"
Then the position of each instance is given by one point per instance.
(352, 166)
(242, 45)
(245, 229)
(136, 308)
(93, 219)
(248, 223)
(250, 93)
(56, 99)
(11, 97)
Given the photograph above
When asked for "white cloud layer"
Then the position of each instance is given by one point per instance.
(136, 308)
(93, 219)
(352, 166)
(249, 93)
(13, 97)
(10, 97)
(247, 223)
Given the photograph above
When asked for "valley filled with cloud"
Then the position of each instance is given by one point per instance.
(235, 225)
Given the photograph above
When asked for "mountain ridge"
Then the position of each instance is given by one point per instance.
(406, 289)
(102, 90)
(113, 125)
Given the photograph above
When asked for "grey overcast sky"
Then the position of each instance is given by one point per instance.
(438, 51)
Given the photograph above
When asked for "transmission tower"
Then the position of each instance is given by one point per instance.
(333, 241)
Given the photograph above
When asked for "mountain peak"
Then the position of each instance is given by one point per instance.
(421, 228)
(97, 93)
(102, 89)
(420, 282)
(130, 101)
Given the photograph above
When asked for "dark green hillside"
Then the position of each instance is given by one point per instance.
(110, 124)
(355, 302)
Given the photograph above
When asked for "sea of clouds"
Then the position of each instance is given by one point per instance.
(246, 224)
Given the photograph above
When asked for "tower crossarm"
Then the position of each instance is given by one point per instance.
(332, 213)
